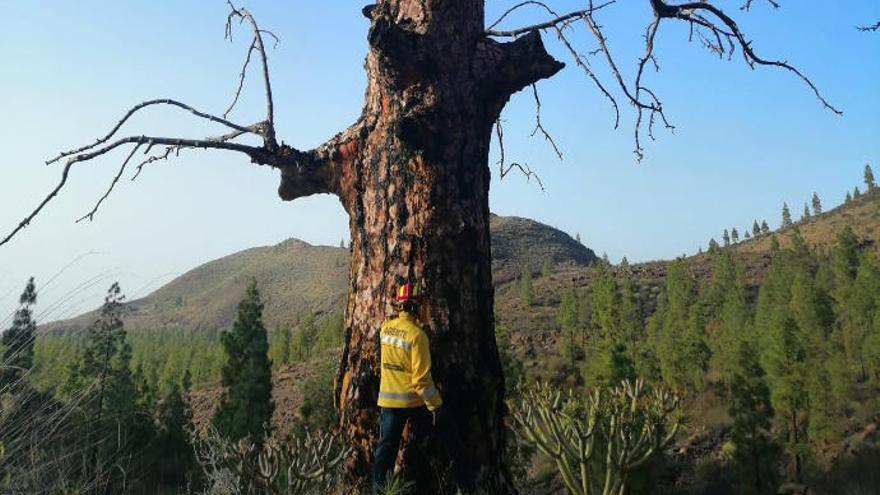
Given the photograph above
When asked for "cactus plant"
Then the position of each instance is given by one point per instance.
(597, 439)
(302, 465)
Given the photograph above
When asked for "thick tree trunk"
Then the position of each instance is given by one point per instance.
(413, 175)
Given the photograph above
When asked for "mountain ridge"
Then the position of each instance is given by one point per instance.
(297, 278)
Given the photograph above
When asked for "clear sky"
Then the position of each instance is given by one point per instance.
(746, 140)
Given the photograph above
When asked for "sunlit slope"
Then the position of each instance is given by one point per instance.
(296, 278)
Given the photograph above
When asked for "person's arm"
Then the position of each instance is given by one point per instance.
(422, 381)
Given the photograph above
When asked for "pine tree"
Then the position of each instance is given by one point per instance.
(869, 178)
(608, 357)
(629, 329)
(871, 352)
(567, 315)
(756, 229)
(765, 229)
(525, 288)
(858, 300)
(679, 345)
(713, 245)
(845, 258)
(748, 235)
(514, 371)
(174, 439)
(279, 347)
(577, 237)
(817, 205)
(734, 235)
(793, 318)
(856, 194)
(813, 317)
(546, 267)
(724, 308)
(246, 406)
(848, 198)
(751, 411)
(106, 369)
(805, 217)
(786, 216)
(331, 332)
(18, 341)
(303, 339)
(726, 238)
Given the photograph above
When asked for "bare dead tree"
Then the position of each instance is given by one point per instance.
(413, 174)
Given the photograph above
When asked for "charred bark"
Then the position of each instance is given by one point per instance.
(413, 175)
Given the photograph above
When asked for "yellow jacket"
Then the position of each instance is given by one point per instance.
(406, 365)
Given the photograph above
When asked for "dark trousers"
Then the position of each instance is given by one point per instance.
(391, 424)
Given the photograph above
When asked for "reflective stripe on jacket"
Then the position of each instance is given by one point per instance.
(406, 365)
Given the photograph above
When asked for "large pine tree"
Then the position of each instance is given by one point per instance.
(794, 320)
(751, 412)
(677, 333)
(246, 406)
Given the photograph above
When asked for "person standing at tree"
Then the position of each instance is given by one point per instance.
(407, 392)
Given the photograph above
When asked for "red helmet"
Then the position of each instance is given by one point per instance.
(407, 292)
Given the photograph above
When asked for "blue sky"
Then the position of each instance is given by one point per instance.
(746, 140)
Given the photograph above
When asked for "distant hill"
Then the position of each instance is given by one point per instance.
(296, 278)
(521, 244)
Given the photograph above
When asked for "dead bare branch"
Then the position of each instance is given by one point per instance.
(244, 14)
(748, 4)
(540, 127)
(505, 169)
(241, 77)
(258, 155)
(582, 62)
(714, 29)
(91, 215)
(544, 25)
(689, 12)
(519, 6)
(269, 154)
(873, 28)
(154, 158)
(141, 106)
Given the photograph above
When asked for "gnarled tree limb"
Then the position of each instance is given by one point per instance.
(303, 173)
(716, 30)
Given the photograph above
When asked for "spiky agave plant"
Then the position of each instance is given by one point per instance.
(597, 439)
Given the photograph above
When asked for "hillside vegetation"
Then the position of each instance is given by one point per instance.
(772, 344)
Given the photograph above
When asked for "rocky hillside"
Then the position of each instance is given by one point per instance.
(520, 244)
(296, 278)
